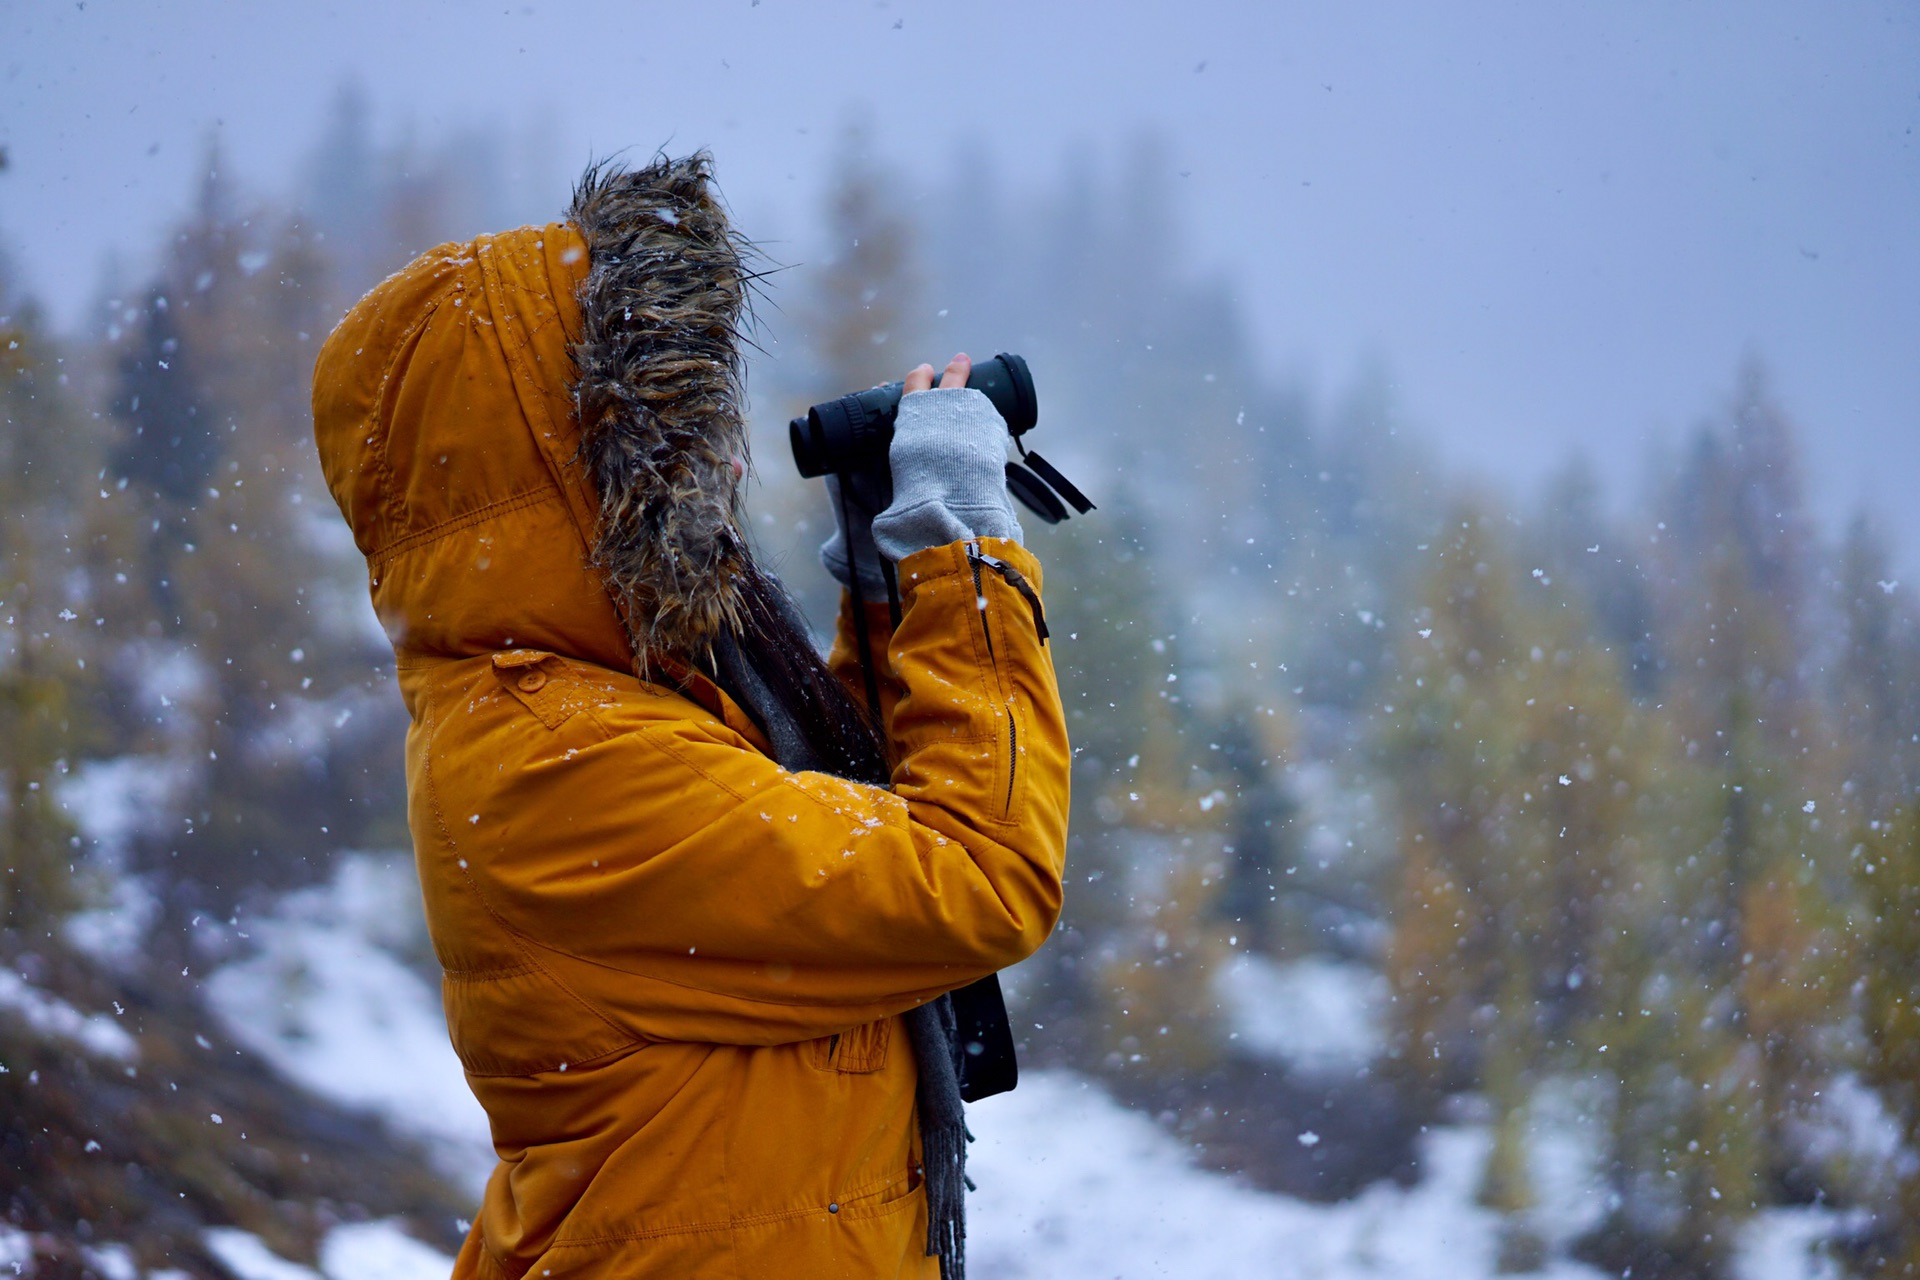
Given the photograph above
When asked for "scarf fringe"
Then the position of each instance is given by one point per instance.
(943, 1133)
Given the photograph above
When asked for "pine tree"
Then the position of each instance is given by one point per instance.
(1589, 554)
(1877, 681)
(858, 326)
(1264, 846)
(371, 207)
(1724, 940)
(1126, 763)
(45, 724)
(1518, 758)
(173, 444)
(287, 741)
(1887, 872)
(867, 303)
(1159, 940)
(343, 196)
(1739, 566)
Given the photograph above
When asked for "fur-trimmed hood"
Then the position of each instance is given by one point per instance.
(659, 398)
(534, 434)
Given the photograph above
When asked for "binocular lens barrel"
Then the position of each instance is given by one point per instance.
(845, 434)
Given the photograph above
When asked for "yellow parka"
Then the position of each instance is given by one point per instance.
(673, 970)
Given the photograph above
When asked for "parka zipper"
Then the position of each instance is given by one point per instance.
(975, 558)
(978, 559)
(1013, 578)
(1013, 759)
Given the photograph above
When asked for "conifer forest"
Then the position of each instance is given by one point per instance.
(1575, 823)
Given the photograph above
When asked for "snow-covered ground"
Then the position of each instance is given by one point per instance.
(357, 1251)
(325, 998)
(1072, 1184)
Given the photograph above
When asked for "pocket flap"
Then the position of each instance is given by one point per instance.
(540, 682)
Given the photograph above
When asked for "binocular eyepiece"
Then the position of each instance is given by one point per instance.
(848, 433)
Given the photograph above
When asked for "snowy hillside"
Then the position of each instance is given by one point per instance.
(1072, 1185)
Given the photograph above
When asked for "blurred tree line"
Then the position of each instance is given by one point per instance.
(196, 712)
(1617, 796)
(1623, 791)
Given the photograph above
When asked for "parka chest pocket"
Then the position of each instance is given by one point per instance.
(855, 1052)
(540, 682)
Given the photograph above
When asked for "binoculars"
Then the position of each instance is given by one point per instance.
(839, 436)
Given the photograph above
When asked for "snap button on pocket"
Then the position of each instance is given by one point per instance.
(539, 682)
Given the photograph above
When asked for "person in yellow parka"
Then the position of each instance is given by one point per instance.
(697, 909)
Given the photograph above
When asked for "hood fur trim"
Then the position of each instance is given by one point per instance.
(659, 399)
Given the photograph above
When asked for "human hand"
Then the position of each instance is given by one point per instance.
(948, 461)
(957, 371)
(868, 492)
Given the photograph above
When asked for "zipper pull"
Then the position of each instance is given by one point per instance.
(1016, 580)
(975, 558)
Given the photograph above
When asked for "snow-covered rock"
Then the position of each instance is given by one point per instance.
(1324, 1016)
(247, 1256)
(51, 1017)
(354, 1251)
(380, 1251)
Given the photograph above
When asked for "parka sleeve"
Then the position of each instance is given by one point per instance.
(688, 888)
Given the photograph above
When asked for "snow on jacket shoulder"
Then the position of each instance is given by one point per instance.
(673, 970)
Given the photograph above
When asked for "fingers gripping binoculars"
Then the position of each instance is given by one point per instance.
(853, 432)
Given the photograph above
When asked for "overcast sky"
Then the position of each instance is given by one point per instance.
(1559, 225)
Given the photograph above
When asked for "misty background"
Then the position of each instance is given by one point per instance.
(1495, 698)
(1558, 228)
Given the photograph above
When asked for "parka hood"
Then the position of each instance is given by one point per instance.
(533, 434)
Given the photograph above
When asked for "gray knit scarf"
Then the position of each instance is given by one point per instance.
(931, 1028)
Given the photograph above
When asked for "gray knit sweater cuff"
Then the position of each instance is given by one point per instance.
(949, 461)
